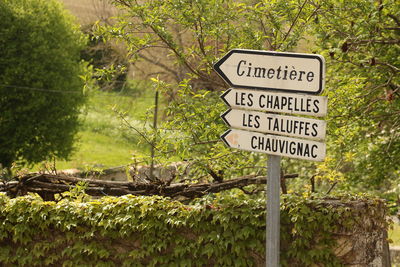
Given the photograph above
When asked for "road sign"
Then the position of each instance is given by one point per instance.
(271, 72)
(275, 124)
(276, 102)
(291, 72)
(275, 145)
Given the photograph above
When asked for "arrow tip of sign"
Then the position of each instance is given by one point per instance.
(223, 137)
(223, 117)
(224, 95)
(217, 67)
(222, 60)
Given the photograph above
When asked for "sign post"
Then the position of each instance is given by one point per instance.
(265, 81)
(273, 210)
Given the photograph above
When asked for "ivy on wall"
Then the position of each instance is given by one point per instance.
(218, 230)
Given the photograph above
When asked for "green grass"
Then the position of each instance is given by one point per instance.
(394, 235)
(103, 140)
(135, 100)
(97, 149)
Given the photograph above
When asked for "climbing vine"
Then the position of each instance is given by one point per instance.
(217, 230)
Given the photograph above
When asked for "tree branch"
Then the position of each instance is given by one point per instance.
(46, 184)
(293, 23)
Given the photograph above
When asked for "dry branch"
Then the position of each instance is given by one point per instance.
(49, 184)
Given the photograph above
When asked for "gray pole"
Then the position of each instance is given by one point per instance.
(273, 210)
(152, 151)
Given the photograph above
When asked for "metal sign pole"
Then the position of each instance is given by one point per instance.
(273, 210)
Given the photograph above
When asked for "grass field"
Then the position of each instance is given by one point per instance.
(103, 140)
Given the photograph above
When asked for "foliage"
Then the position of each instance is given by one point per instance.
(41, 92)
(76, 193)
(224, 230)
(108, 60)
(193, 35)
(360, 41)
(102, 140)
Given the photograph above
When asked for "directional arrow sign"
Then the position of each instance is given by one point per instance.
(276, 102)
(275, 124)
(275, 145)
(291, 72)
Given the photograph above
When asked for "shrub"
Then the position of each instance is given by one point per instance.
(40, 89)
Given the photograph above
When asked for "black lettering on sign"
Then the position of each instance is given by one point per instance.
(285, 74)
(279, 73)
(290, 103)
(271, 73)
(259, 72)
(315, 129)
(310, 76)
(250, 120)
(242, 99)
(244, 121)
(257, 121)
(260, 101)
(301, 73)
(307, 108)
(316, 106)
(299, 149)
(237, 99)
(283, 102)
(253, 142)
(249, 70)
(250, 100)
(269, 122)
(276, 104)
(313, 151)
(238, 70)
(302, 126)
(306, 152)
(293, 148)
(269, 101)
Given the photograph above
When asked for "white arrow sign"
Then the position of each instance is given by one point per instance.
(276, 102)
(275, 124)
(275, 145)
(292, 72)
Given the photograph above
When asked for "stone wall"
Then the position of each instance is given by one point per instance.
(140, 174)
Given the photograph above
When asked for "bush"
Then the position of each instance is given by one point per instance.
(41, 92)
